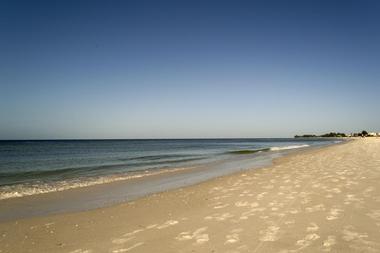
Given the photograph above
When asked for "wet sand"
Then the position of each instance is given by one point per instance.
(325, 200)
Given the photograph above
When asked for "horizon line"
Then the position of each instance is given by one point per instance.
(184, 138)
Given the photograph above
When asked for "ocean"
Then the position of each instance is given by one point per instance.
(35, 167)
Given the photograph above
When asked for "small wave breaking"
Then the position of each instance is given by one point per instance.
(248, 151)
(289, 147)
(253, 151)
(21, 190)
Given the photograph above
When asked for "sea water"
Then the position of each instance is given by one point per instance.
(35, 167)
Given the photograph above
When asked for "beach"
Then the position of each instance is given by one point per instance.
(321, 200)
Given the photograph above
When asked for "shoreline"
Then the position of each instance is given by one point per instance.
(41, 179)
(323, 200)
(122, 191)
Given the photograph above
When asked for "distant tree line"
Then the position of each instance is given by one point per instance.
(363, 133)
(332, 134)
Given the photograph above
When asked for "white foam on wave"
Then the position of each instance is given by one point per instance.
(21, 190)
(289, 147)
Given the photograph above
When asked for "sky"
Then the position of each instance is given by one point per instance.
(188, 69)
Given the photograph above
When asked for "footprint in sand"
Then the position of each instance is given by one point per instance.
(241, 203)
(307, 241)
(350, 235)
(315, 208)
(246, 203)
(334, 214)
(261, 195)
(289, 222)
(351, 198)
(233, 237)
(128, 249)
(375, 215)
(220, 206)
(81, 251)
(290, 197)
(133, 232)
(312, 228)
(122, 240)
(198, 235)
(328, 243)
(268, 187)
(152, 226)
(367, 192)
(168, 224)
(270, 234)
(222, 197)
(358, 241)
(49, 224)
(336, 190)
(251, 212)
(215, 189)
(219, 217)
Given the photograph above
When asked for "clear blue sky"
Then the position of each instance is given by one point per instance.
(160, 69)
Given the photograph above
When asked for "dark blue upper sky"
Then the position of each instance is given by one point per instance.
(141, 69)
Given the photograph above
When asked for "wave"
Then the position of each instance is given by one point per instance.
(155, 157)
(253, 151)
(21, 190)
(289, 147)
(248, 151)
(12, 177)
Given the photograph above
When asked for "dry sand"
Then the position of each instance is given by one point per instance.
(326, 200)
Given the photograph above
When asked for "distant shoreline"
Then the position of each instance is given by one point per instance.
(363, 133)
